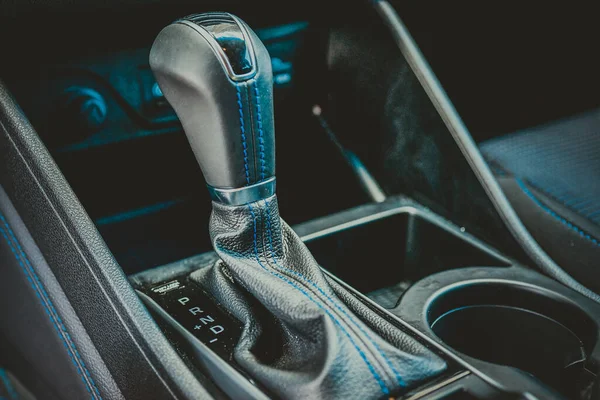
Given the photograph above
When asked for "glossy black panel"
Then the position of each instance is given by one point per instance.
(230, 37)
(198, 313)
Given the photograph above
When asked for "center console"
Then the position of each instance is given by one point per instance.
(413, 269)
(504, 329)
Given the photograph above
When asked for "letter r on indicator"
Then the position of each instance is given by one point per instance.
(195, 310)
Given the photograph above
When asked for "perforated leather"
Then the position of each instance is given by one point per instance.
(551, 175)
(562, 160)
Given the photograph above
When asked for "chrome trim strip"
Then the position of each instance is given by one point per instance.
(440, 385)
(243, 195)
(368, 181)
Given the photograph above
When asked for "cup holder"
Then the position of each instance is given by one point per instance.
(522, 326)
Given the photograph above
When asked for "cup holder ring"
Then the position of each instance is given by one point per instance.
(508, 318)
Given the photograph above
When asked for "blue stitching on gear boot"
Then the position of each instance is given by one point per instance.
(45, 297)
(555, 215)
(243, 130)
(382, 385)
(333, 302)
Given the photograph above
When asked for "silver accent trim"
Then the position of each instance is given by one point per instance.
(219, 52)
(367, 181)
(244, 195)
(440, 385)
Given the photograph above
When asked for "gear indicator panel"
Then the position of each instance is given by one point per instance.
(200, 314)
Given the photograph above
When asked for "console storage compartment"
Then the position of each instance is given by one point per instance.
(495, 320)
(381, 249)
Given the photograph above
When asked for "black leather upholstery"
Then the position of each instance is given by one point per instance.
(319, 346)
(551, 175)
(11, 388)
(49, 348)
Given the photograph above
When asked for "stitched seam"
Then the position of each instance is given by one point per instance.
(577, 207)
(382, 385)
(243, 132)
(580, 204)
(300, 275)
(8, 385)
(37, 292)
(56, 314)
(261, 141)
(332, 301)
(555, 215)
(52, 313)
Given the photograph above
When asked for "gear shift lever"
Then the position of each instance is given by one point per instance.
(304, 335)
(216, 74)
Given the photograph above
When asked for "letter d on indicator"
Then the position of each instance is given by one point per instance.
(217, 329)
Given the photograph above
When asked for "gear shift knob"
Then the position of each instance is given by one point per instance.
(216, 73)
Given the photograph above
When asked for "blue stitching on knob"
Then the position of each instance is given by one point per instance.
(243, 130)
(382, 385)
(261, 141)
(333, 302)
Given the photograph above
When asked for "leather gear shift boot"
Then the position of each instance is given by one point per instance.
(300, 340)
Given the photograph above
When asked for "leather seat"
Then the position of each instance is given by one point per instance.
(551, 175)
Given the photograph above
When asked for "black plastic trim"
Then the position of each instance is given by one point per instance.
(469, 149)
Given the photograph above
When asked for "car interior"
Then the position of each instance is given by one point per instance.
(306, 200)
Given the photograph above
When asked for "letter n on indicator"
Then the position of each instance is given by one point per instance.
(206, 320)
